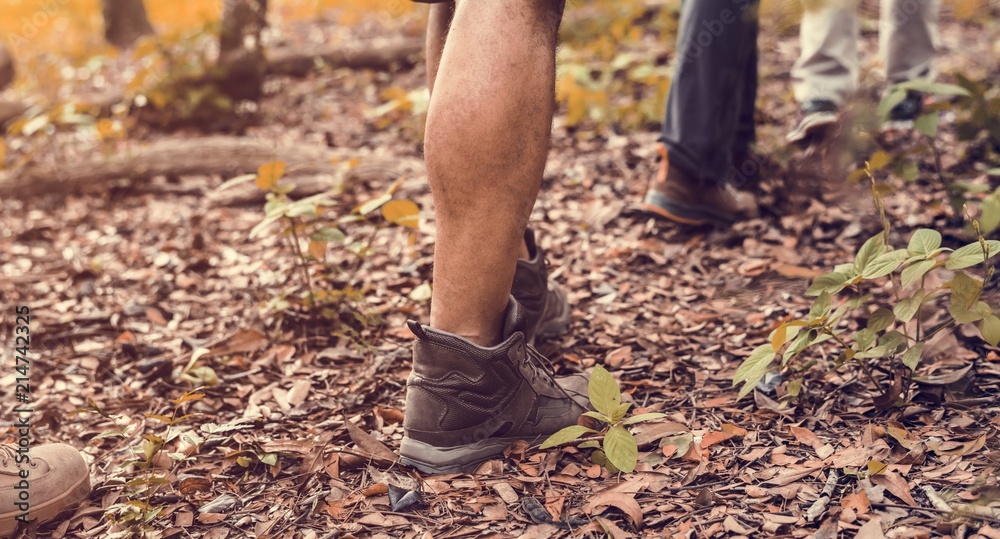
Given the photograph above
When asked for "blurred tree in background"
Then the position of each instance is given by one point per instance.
(125, 21)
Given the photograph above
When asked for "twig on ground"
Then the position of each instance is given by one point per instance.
(819, 506)
(936, 500)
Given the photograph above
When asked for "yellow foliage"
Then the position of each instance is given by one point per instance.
(269, 173)
(74, 28)
(402, 212)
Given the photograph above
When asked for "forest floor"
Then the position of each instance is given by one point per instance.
(129, 284)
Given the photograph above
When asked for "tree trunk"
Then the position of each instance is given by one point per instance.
(125, 21)
(242, 64)
(6, 67)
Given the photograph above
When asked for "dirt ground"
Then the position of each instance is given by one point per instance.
(125, 282)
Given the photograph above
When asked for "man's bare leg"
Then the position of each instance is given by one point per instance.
(487, 138)
(438, 22)
(475, 386)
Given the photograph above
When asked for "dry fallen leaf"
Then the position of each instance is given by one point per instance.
(871, 529)
(368, 444)
(620, 500)
(728, 432)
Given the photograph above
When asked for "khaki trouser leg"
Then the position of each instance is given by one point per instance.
(827, 68)
(908, 38)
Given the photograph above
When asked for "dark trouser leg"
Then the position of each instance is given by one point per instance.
(746, 166)
(708, 95)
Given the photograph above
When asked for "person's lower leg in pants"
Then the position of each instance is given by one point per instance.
(908, 37)
(717, 40)
(827, 67)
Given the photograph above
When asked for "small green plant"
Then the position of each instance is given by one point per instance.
(619, 450)
(895, 335)
(310, 227)
(142, 476)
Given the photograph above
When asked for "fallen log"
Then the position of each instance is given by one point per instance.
(225, 156)
(378, 56)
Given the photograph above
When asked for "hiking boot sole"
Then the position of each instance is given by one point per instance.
(434, 460)
(660, 206)
(815, 127)
(49, 510)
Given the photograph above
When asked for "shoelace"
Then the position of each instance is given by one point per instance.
(8, 452)
(536, 361)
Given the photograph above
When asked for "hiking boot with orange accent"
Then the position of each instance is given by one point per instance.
(54, 478)
(466, 403)
(677, 196)
(546, 309)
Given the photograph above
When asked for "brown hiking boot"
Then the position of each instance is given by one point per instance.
(465, 404)
(546, 309)
(677, 196)
(55, 478)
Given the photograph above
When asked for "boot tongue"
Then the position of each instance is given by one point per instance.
(513, 319)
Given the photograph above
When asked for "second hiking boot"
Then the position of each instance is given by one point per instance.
(546, 310)
(54, 478)
(817, 118)
(466, 403)
(677, 196)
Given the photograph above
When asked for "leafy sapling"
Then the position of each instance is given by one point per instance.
(619, 450)
(895, 335)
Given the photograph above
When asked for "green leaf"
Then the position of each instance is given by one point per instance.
(261, 226)
(598, 416)
(566, 435)
(821, 307)
(373, 204)
(923, 242)
(964, 291)
(879, 160)
(621, 449)
(928, 86)
(971, 254)
(620, 412)
(884, 264)
(232, 182)
(888, 345)
(268, 458)
(889, 102)
(328, 235)
(868, 252)
(912, 356)
(639, 418)
(604, 393)
(989, 217)
(908, 170)
(865, 339)
(830, 283)
(798, 345)
(990, 329)
(754, 368)
(927, 123)
(881, 319)
(914, 272)
(906, 309)
(892, 340)
(302, 208)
